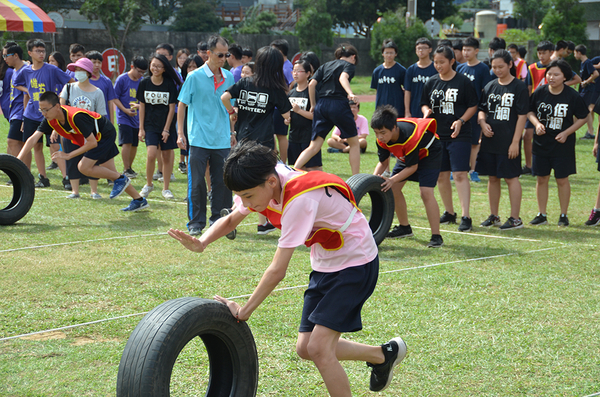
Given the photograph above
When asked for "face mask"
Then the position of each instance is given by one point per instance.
(81, 75)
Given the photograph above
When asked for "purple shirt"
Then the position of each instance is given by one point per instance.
(126, 91)
(16, 98)
(105, 85)
(237, 73)
(46, 78)
(287, 71)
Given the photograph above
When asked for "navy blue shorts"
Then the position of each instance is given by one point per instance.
(562, 166)
(455, 156)
(294, 150)
(154, 138)
(14, 131)
(598, 158)
(29, 128)
(279, 124)
(475, 131)
(427, 177)
(334, 300)
(128, 135)
(498, 165)
(595, 95)
(529, 124)
(588, 96)
(331, 113)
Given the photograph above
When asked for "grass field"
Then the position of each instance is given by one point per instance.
(491, 313)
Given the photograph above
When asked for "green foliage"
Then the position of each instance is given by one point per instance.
(392, 25)
(455, 20)
(227, 33)
(443, 9)
(475, 4)
(163, 10)
(257, 22)
(565, 21)
(532, 11)
(519, 36)
(314, 28)
(196, 16)
(358, 14)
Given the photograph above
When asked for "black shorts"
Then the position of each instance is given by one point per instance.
(279, 124)
(106, 149)
(334, 300)
(475, 131)
(455, 156)
(563, 166)
(29, 128)
(331, 113)
(588, 97)
(529, 124)
(128, 135)
(426, 176)
(154, 138)
(14, 131)
(498, 165)
(294, 150)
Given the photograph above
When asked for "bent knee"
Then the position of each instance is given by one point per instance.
(302, 351)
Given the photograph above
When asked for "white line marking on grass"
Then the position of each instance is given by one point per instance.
(277, 290)
(491, 236)
(592, 395)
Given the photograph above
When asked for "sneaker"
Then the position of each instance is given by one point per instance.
(436, 241)
(136, 205)
(594, 218)
(95, 196)
(588, 136)
(73, 196)
(183, 167)
(526, 170)
(539, 220)
(265, 229)
(474, 176)
(334, 150)
(157, 174)
(451, 177)
(162, 179)
(400, 231)
(120, 184)
(129, 173)
(146, 190)
(512, 223)
(52, 166)
(231, 235)
(167, 194)
(447, 218)
(42, 182)
(563, 220)
(195, 231)
(492, 220)
(466, 224)
(110, 183)
(66, 183)
(381, 374)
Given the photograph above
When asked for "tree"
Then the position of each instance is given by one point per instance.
(314, 28)
(533, 11)
(163, 10)
(519, 36)
(257, 22)
(196, 16)
(565, 21)
(443, 9)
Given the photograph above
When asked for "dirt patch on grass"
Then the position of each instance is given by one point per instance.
(46, 336)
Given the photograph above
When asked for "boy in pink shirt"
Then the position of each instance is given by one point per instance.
(316, 209)
(338, 145)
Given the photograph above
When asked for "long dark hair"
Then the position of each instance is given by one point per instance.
(58, 57)
(346, 50)
(197, 59)
(268, 69)
(169, 71)
(3, 68)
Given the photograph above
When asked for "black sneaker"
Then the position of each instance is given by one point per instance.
(563, 220)
(42, 182)
(400, 231)
(447, 218)
(492, 220)
(183, 167)
(466, 224)
(526, 170)
(512, 223)
(66, 183)
(588, 136)
(52, 166)
(129, 173)
(539, 220)
(382, 374)
(231, 235)
(436, 241)
(594, 218)
(265, 229)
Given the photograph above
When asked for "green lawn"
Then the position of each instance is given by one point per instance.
(490, 313)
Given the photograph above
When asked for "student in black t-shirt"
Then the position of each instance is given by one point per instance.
(449, 97)
(552, 109)
(502, 115)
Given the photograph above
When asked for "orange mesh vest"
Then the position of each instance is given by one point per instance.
(307, 181)
(75, 134)
(538, 76)
(519, 67)
(401, 149)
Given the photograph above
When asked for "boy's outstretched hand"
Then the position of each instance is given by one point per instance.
(189, 242)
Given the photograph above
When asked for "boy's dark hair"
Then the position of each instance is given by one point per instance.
(346, 50)
(564, 67)
(423, 40)
(582, 49)
(269, 64)
(545, 45)
(312, 58)
(202, 46)
(236, 51)
(445, 42)
(497, 43)
(166, 46)
(247, 52)
(248, 165)
(216, 39)
(169, 71)
(33, 43)
(522, 52)
(13, 48)
(140, 62)
(282, 45)
(351, 102)
(389, 43)
(384, 117)
(571, 45)
(75, 48)
(305, 64)
(561, 45)
(513, 46)
(94, 56)
(471, 42)
(58, 57)
(507, 58)
(458, 45)
(50, 97)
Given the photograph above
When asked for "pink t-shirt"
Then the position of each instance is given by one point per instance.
(362, 127)
(316, 209)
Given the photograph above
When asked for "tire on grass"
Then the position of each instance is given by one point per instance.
(382, 203)
(153, 347)
(23, 189)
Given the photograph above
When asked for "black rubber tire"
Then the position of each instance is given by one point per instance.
(382, 203)
(23, 189)
(152, 349)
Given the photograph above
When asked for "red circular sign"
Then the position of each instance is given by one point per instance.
(114, 62)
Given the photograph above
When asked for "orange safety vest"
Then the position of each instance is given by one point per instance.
(329, 239)
(75, 134)
(401, 149)
(519, 67)
(538, 76)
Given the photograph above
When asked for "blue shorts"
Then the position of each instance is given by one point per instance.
(529, 124)
(154, 138)
(595, 95)
(334, 300)
(563, 166)
(279, 124)
(331, 113)
(475, 131)
(588, 96)
(427, 177)
(128, 135)
(14, 131)
(455, 156)
(29, 128)
(294, 150)
(498, 165)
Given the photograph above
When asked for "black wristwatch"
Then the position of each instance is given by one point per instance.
(462, 121)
